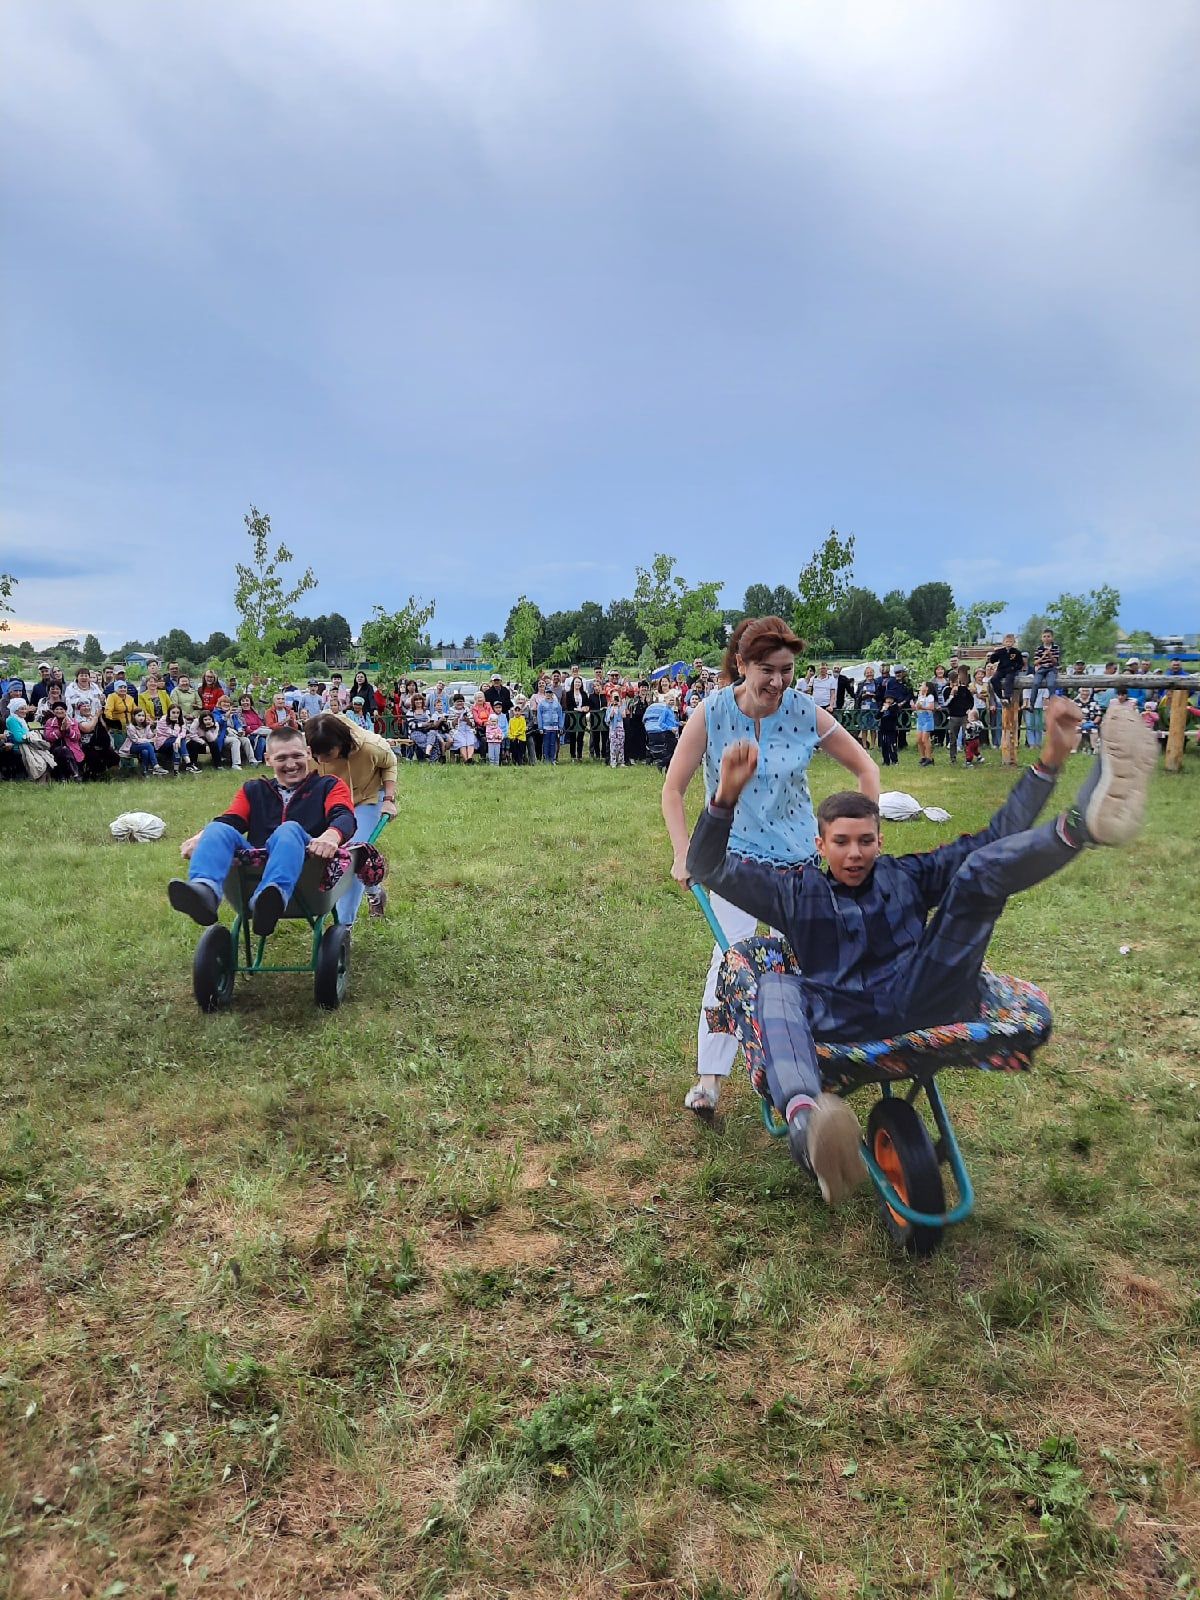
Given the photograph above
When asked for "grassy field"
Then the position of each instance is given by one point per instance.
(445, 1295)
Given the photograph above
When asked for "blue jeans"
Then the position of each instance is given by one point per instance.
(144, 750)
(287, 851)
(365, 817)
(550, 746)
(1045, 678)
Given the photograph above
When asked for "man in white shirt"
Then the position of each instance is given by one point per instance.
(824, 687)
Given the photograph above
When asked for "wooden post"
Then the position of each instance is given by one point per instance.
(1010, 729)
(1179, 717)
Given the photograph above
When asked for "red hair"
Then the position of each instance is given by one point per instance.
(755, 638)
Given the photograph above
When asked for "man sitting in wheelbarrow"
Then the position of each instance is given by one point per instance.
(869, 960)
(293, 815)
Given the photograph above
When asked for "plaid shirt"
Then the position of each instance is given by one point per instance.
(855, 946)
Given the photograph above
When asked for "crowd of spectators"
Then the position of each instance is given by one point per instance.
(169, 723)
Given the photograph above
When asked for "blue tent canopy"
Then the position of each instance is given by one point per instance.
(672, 671)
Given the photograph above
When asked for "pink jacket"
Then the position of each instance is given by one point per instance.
(66, 734)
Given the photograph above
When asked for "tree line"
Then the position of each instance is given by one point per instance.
(666, 617)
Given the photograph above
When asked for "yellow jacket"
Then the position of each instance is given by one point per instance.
(155, 705)
(516, 727)
(118, 709)
(370, 764)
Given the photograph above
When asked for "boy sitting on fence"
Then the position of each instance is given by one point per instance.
(863, 958)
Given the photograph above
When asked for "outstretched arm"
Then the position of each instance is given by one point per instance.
(767, 892)
(933, 869)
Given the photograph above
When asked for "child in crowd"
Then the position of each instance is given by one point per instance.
(615, 719)
(495, 731)
(139, 742)
(889, 732)
(974, 733)
(926, 707)
(518, 732)
(1047, 659)
(1008, 662)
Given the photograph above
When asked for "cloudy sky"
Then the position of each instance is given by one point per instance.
(505, 295)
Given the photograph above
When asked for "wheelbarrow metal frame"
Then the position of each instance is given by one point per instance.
(317, 913)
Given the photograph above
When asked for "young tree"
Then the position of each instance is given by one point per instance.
(265, 598)
(823, 586)
(1085, 626)
(521, 633)
(7, 584)
(391, 638)
(674, 615)
(93, 650)
(489, 640)
(622, 654)
(1140, 643)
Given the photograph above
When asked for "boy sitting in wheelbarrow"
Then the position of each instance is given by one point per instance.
(869, 960)
(292, 815)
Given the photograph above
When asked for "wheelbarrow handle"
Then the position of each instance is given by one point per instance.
(710, 916)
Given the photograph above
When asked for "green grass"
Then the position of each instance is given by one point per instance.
(444, 1294)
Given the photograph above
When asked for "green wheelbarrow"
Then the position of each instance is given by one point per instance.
(224, 953)
(903, 1157)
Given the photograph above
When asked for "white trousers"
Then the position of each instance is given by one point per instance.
(715, 1051)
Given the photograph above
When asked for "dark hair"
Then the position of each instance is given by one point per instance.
(755, 638)
(849, 803)
(284, 731)
(328, 735)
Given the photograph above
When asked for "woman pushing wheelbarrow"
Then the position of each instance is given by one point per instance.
(875, 947)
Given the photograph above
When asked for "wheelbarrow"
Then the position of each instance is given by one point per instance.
(903, 1158)
(224, 953)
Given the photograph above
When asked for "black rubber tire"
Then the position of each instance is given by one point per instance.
(897, 1135)
(333, 967)
(214, 969)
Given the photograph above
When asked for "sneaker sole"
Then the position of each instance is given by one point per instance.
(835, 1149)
(1116, 807)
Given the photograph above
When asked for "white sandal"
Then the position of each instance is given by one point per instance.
(701, 1102)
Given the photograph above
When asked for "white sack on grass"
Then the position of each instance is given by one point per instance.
(896, 806)
(137, 827)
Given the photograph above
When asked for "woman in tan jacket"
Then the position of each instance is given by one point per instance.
(367, 762)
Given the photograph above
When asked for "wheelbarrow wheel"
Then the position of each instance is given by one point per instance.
(904, 1152)
(333, 967)
(214, 969)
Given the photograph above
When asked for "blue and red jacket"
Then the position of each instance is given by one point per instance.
(257, 809)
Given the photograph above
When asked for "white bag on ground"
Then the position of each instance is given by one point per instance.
(137, 827)
(896, 806)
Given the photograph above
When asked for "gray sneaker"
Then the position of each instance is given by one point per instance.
(1112, 801)
(835, 1148)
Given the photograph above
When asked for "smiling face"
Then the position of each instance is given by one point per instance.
(850, 846)
(288, 759)
(766, 680)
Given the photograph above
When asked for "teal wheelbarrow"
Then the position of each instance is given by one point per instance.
(903, 1156)
(226, 953)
